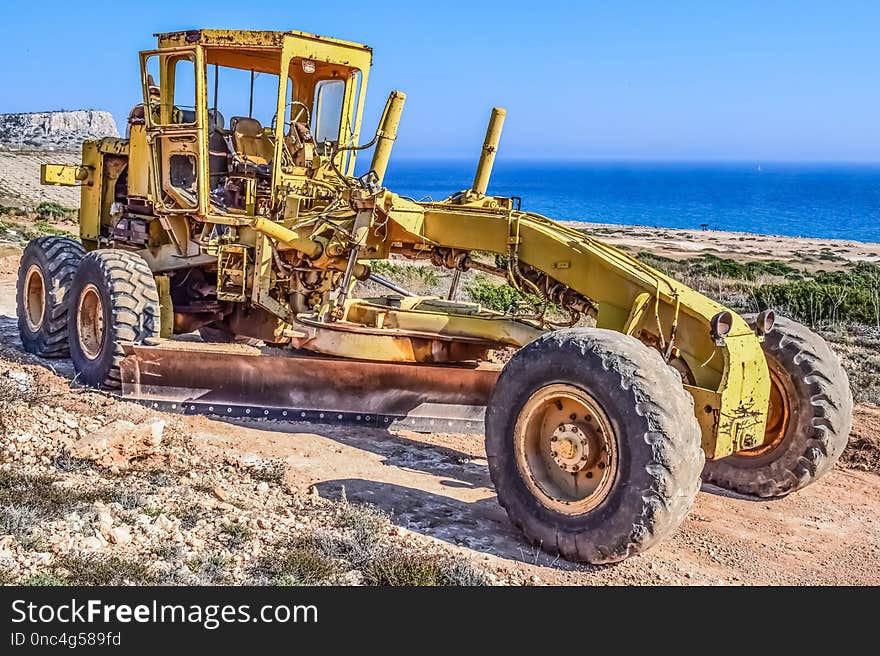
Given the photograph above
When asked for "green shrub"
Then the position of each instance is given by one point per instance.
(51, 211)
(301, 562)
(102, 570)
(396, 568)
(44, 579)
(236, 533)
(405, 274)
(707, 265)
(500, 297)
(852, 295)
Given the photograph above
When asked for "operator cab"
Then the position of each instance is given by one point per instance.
(234, 113)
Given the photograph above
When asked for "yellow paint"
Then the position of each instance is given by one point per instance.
(63, 175)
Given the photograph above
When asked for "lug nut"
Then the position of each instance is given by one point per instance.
(554, 438)
(589, 474)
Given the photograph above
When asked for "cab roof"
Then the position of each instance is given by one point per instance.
(261, 50)
(247, 39)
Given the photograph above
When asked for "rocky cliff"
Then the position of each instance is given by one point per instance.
(63, 131)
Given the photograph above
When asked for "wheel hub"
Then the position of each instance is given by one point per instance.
(570, 447)
(34, 298)
(90, 322)
(566, 449)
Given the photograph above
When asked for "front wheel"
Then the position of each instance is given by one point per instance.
(808, 422)
(592, 445)
(113, 300)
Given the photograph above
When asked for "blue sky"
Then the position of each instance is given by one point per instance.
(752, 81)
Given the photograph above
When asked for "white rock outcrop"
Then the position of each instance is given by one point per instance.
(54, 130)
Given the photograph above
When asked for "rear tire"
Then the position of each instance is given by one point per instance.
(813, 392)
(649, 446)
(113, 300)
(47, 267)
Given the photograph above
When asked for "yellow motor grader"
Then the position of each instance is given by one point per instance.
(624, 386)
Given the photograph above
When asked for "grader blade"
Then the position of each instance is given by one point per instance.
(233, 380)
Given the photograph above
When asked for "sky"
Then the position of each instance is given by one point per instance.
(733, 81)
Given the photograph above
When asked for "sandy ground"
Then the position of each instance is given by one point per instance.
(681, 244)
(438, 485)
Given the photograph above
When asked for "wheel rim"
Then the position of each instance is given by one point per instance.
(566, 449)
(778, 415)
(34, 298)
(90, 322)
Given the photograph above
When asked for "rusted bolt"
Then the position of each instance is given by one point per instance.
(573, 416)
(589, 474)
(553, 438)
(601, 465)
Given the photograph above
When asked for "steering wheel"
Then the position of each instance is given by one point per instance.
(303, 108)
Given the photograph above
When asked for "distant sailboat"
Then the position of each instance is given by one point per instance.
(760, 169)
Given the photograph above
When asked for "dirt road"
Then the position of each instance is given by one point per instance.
(438, 485)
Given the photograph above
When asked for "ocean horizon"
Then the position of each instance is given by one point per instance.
(822, 200)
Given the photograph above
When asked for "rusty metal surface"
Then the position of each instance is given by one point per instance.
(235, 380)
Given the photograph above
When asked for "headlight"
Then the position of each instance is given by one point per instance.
(765, 321)
(721, 324)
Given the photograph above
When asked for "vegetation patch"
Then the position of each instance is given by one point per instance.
(28, 500)
(498, 296)
(101, 570)
(236, 533)
(357, 549)
(406, 275)
(300, 562)
(210, 569)
(51, 211)
(409, 569)
(838, 296)
(708, 265)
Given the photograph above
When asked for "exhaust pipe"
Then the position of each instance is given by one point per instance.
(490, 148)
(387, 133)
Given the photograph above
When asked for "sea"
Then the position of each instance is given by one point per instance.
(800, 200)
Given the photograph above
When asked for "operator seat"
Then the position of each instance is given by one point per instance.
(252, 146)
(218, 150)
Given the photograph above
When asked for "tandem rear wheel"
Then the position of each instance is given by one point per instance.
(85, 305)
(45, 274)
(113, 300)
